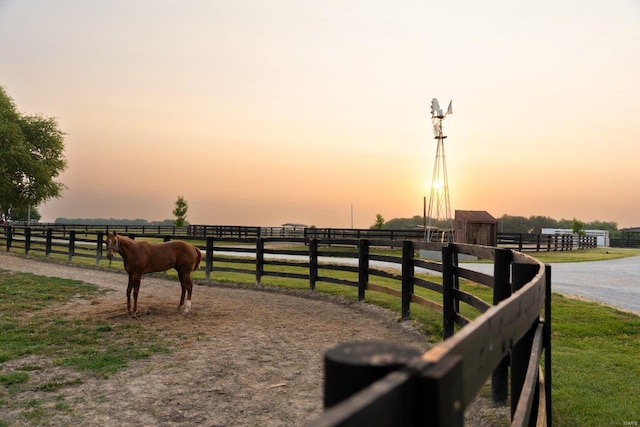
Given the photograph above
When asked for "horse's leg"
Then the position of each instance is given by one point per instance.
(136, 289)
(182, 285)
(129, 288)
(188, 284)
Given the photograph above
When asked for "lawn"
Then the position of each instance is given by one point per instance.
(595, 364)
(583, 255)
(30, 329)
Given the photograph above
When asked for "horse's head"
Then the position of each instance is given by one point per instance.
(113, 244)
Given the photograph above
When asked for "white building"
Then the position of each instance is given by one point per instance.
(602, 236)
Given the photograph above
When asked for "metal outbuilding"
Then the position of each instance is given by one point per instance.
(476, 227)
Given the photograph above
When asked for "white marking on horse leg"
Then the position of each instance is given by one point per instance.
(187, 306)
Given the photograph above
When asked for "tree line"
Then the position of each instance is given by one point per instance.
(535, 224)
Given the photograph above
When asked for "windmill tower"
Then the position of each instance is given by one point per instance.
(439, 224)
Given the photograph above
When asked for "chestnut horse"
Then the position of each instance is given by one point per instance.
(144, 257)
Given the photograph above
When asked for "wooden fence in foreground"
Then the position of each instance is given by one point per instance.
(509, 336)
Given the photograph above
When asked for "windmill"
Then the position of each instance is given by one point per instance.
(439, 224)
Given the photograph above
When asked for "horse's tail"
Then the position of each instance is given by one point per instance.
(198, 258)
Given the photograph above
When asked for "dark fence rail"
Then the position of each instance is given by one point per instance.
(508, 338)
(93, 229)
(354, 233)
(522, 242)
(626, 242)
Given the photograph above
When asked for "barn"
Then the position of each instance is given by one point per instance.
(475, 227)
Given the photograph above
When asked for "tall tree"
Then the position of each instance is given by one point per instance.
(31, 158)
(180, 212)
(577, 227)
(379, 222)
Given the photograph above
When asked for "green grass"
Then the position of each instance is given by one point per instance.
(583, 255)
(12, 378)
(595, 364)
(98, 347)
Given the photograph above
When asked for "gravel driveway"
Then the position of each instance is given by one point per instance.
(614, 282)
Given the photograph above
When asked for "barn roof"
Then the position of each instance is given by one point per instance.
(475, 217)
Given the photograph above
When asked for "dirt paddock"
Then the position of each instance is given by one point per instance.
(242, 357)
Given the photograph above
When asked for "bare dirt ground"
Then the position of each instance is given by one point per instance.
(242, 357)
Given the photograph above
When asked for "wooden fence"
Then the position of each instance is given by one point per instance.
(432, 388)
(522, 242)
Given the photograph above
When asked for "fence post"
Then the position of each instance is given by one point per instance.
(407, 277)
(72, 243)
(442, 390)
(259, 259)
(448, 305)
(9, 232)
(522, 274)
(27, 240)
(547, 343)
(208, 263)
(313, 263)
(48, 242)
(99, 242)
(363, 267)
(501, 291)
(352, 366)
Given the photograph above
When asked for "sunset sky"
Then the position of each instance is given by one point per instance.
(267, 112)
